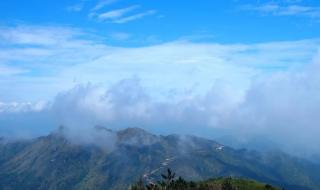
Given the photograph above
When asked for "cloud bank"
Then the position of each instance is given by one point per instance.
(282, 108)
(267, 91)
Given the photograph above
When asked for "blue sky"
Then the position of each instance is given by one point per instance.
(41, 40)
(228, 21)
(249, 67)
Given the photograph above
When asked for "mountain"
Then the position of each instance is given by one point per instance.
(116, 159)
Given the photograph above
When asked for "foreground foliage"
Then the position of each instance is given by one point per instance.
(169, 182)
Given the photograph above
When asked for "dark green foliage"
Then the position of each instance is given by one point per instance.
(227, 185)
(169, 182)
(139, 185)
(268, 186)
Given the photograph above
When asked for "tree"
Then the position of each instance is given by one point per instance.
(168, 182)
(169, 178)
(139, 185)
(227, 185)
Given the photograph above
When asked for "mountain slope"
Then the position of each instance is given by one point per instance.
(222, 183)
(55, 162)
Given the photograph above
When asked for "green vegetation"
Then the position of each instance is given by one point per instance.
(53, 162)
(169, 182)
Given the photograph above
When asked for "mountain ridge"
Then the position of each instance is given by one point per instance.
(55, 162)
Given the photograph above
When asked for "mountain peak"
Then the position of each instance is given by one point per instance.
(136, 136)
(133, 131)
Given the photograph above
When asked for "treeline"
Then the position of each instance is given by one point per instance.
(170, 182)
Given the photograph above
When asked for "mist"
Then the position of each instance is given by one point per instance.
(279, 111)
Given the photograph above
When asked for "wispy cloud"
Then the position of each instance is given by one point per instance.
(26, 51)
(26, 35)
(9, 70)
(123, 15)
(51, 57)
(134, 17)
(116, 14)
(284, 10)
(120, 35)
(81, 4)
(18, 107)
(75, 8)
(56, 58)
(103, 3)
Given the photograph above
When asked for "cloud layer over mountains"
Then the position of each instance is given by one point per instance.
(282, 107)
(268, 91)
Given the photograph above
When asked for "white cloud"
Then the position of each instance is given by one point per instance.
(121, 16)
(76, 7)
(18, 107)
(103, 3)
(134, 17)
(193, 65)
(253, 89)
(281, 106)
(36, 35)
(35, 43)
(55, 64)
(40, 52)
(116, 14)
(285, 10)
(8, 71)
(120, 36)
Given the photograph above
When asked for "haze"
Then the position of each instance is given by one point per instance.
(243, 72)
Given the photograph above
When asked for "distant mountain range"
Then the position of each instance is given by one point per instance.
(56, 162)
